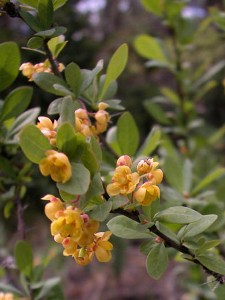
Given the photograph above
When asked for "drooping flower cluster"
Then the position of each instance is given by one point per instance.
(48, 128)
(83, 122)
(77, 232)
(28, 69)
(141, 185)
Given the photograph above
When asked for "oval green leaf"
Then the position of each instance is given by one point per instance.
(157, 261)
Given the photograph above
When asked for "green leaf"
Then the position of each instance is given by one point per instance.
(30, 20)
(153, 6)
(157, 261)
(51, 33)
(79, 182)
(111, 139)
(127, 134)
(116, 66)
(54, 107)
(9, 63)
(150, 210)
(171, 96)
(178, 215)
(7, 288)
(207, 245)
(48, 285)
(56, 45)
(168, 232)
(146, 246)
(173, 171)
(63, 90)
(35, 42)
(96, 148)
(46, 82)
(16, 102)
(33, 143)
(67, 109)
(199, 226)
(89, 159)
(151, 142)
(213, 262)
(187, 175)
(24, 258)
(126, 228)
(32, 3)
(101, 211)
(45, 13)
(118, 201)
(66, 140)
(58, 3)
(150, 48)
(22, 120)
(73, 77)
(156, 111)
(208, 180)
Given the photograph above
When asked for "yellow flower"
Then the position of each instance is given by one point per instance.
(68, 224)
(146, 166)
(123, 181)
(70, 246)
(102, 119)
(147, 193)
(56, 165)
(124, 160)
(102, 106)
(27, 70)
(48, 127)
(103, 247)
(156, 176)
(82, 122)
(88, 229)
(83, 256)
(6, 296)
(53, 206)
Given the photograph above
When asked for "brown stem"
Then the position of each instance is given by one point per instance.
(53, 62)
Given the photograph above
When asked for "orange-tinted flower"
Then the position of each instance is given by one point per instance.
(6, 296)
(53, 206)
(103, 247)
(70, 246)
(124, 160)
(83, 256)
(48, 127)
(123, 181)
(56, 165)
(156, 176)
(147, 193)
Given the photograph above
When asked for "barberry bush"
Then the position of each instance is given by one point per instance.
(166, 191)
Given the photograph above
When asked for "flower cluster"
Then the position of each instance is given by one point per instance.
(6, 296)
(142, 184)
(83, 122)
(28, 69)
(77, 232)
(48, 128)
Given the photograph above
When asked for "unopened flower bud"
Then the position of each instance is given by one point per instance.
(124, 160)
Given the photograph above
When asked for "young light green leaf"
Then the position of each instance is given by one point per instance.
(58, 3)
(171, 95)
(56, 45)
(45, 13)
(126, 228)
(178, 215)
(199, 226)
(115, 68)
(100, 212)
(157, 261)
(24, 258)
(9, 63)
(208, 180)
(16, 102)
(127, 134)
(79, 182)
(151, 142)
(150, 48)
(33, 143)
(153, 6)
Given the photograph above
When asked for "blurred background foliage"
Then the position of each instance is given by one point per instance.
(95, 30)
